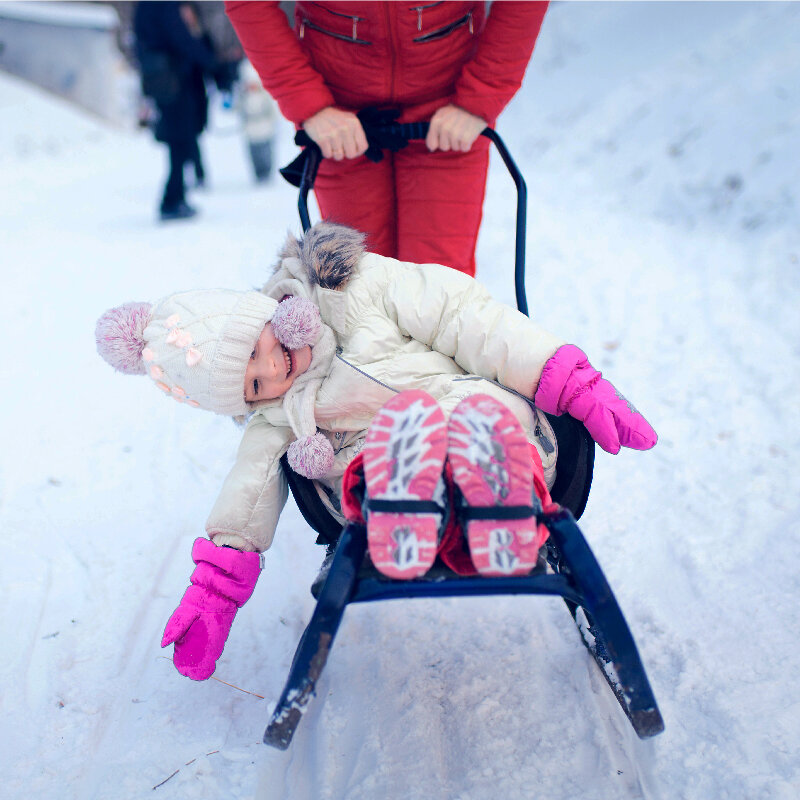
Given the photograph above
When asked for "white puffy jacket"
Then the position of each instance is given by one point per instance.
(397, 326)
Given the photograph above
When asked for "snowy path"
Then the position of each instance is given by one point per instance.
(661, 144)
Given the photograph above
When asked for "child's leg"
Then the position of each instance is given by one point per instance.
(453, 548)
(501, 484)
(403, 461)
(353, 490)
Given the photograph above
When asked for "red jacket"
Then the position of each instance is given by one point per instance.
(414, 56)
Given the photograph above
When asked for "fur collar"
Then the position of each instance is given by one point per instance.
(329, 253)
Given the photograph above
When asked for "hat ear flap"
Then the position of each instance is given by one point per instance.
(119, 334)
(296, 323)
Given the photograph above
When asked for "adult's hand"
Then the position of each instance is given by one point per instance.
(338, 133)
(452, 128)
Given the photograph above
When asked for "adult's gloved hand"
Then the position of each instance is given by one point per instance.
(570, 384)
(222, 583)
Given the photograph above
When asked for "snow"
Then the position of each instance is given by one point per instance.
(660, 144)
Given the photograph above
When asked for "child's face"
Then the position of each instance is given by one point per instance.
(272, 368)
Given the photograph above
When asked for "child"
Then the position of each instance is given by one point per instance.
(343, 361)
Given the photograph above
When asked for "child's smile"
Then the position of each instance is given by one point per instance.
(272, 368)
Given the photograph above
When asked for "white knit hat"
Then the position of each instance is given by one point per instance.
(196, 347)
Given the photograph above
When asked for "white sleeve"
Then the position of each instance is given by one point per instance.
(455, 315)
(252, 497)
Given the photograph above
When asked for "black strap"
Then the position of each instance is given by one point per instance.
(404, 506)
(498, 512)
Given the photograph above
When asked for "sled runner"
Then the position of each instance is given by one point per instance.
(566, 565)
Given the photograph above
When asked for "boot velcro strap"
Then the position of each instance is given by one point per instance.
(498, 512)
(403, 506)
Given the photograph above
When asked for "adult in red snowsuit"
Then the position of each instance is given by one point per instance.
(446, 62)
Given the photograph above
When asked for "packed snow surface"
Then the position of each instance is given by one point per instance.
(661, 145)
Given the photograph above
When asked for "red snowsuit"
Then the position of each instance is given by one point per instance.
(414, 205)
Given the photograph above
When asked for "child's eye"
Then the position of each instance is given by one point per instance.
(255, 387)
(253, 354)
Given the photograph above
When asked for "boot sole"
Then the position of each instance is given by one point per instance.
(403, 460)
(492, 466)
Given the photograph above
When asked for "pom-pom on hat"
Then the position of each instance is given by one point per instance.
(296, 322)
(196, 346)
(120, 337)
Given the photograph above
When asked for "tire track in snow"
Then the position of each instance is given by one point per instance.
(136, 668)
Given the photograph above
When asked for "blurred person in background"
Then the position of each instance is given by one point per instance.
(259, 116)
(443, 62)
(220, 37)
(240, 88)
(174, 56)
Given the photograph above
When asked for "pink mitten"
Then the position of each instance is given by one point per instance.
(221, 584)
(570, 383)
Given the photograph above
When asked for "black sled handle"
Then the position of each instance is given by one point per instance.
(410, 131)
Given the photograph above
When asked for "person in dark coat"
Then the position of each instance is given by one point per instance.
(174, 58)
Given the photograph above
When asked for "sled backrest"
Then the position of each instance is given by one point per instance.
(311, 506)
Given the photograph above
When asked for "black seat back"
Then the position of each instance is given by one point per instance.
(311, 506)
(575, 465)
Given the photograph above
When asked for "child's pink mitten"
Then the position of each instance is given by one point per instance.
(222, 583)
(570, 383)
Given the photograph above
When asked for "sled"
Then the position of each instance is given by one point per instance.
(566, 566)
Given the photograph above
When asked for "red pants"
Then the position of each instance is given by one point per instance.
(452, 547)
(414, 205)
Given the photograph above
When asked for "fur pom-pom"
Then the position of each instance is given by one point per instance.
(296, 323)
(120, 336)
(311, 456)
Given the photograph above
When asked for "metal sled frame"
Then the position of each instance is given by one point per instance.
(567, 569)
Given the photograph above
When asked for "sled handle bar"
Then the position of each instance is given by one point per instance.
(415, 131)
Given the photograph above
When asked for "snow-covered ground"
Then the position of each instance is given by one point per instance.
(661, 144)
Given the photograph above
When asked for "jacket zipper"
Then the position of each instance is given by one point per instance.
(547, 445)
(392, 52)
(307, 23)
(366, 374)
(447, 30)
(420, 9)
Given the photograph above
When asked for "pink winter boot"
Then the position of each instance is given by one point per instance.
(569, 383)
(492, 467)
(403, 462)
(221, 584)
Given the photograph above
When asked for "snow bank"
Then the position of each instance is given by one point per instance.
(632, 120)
